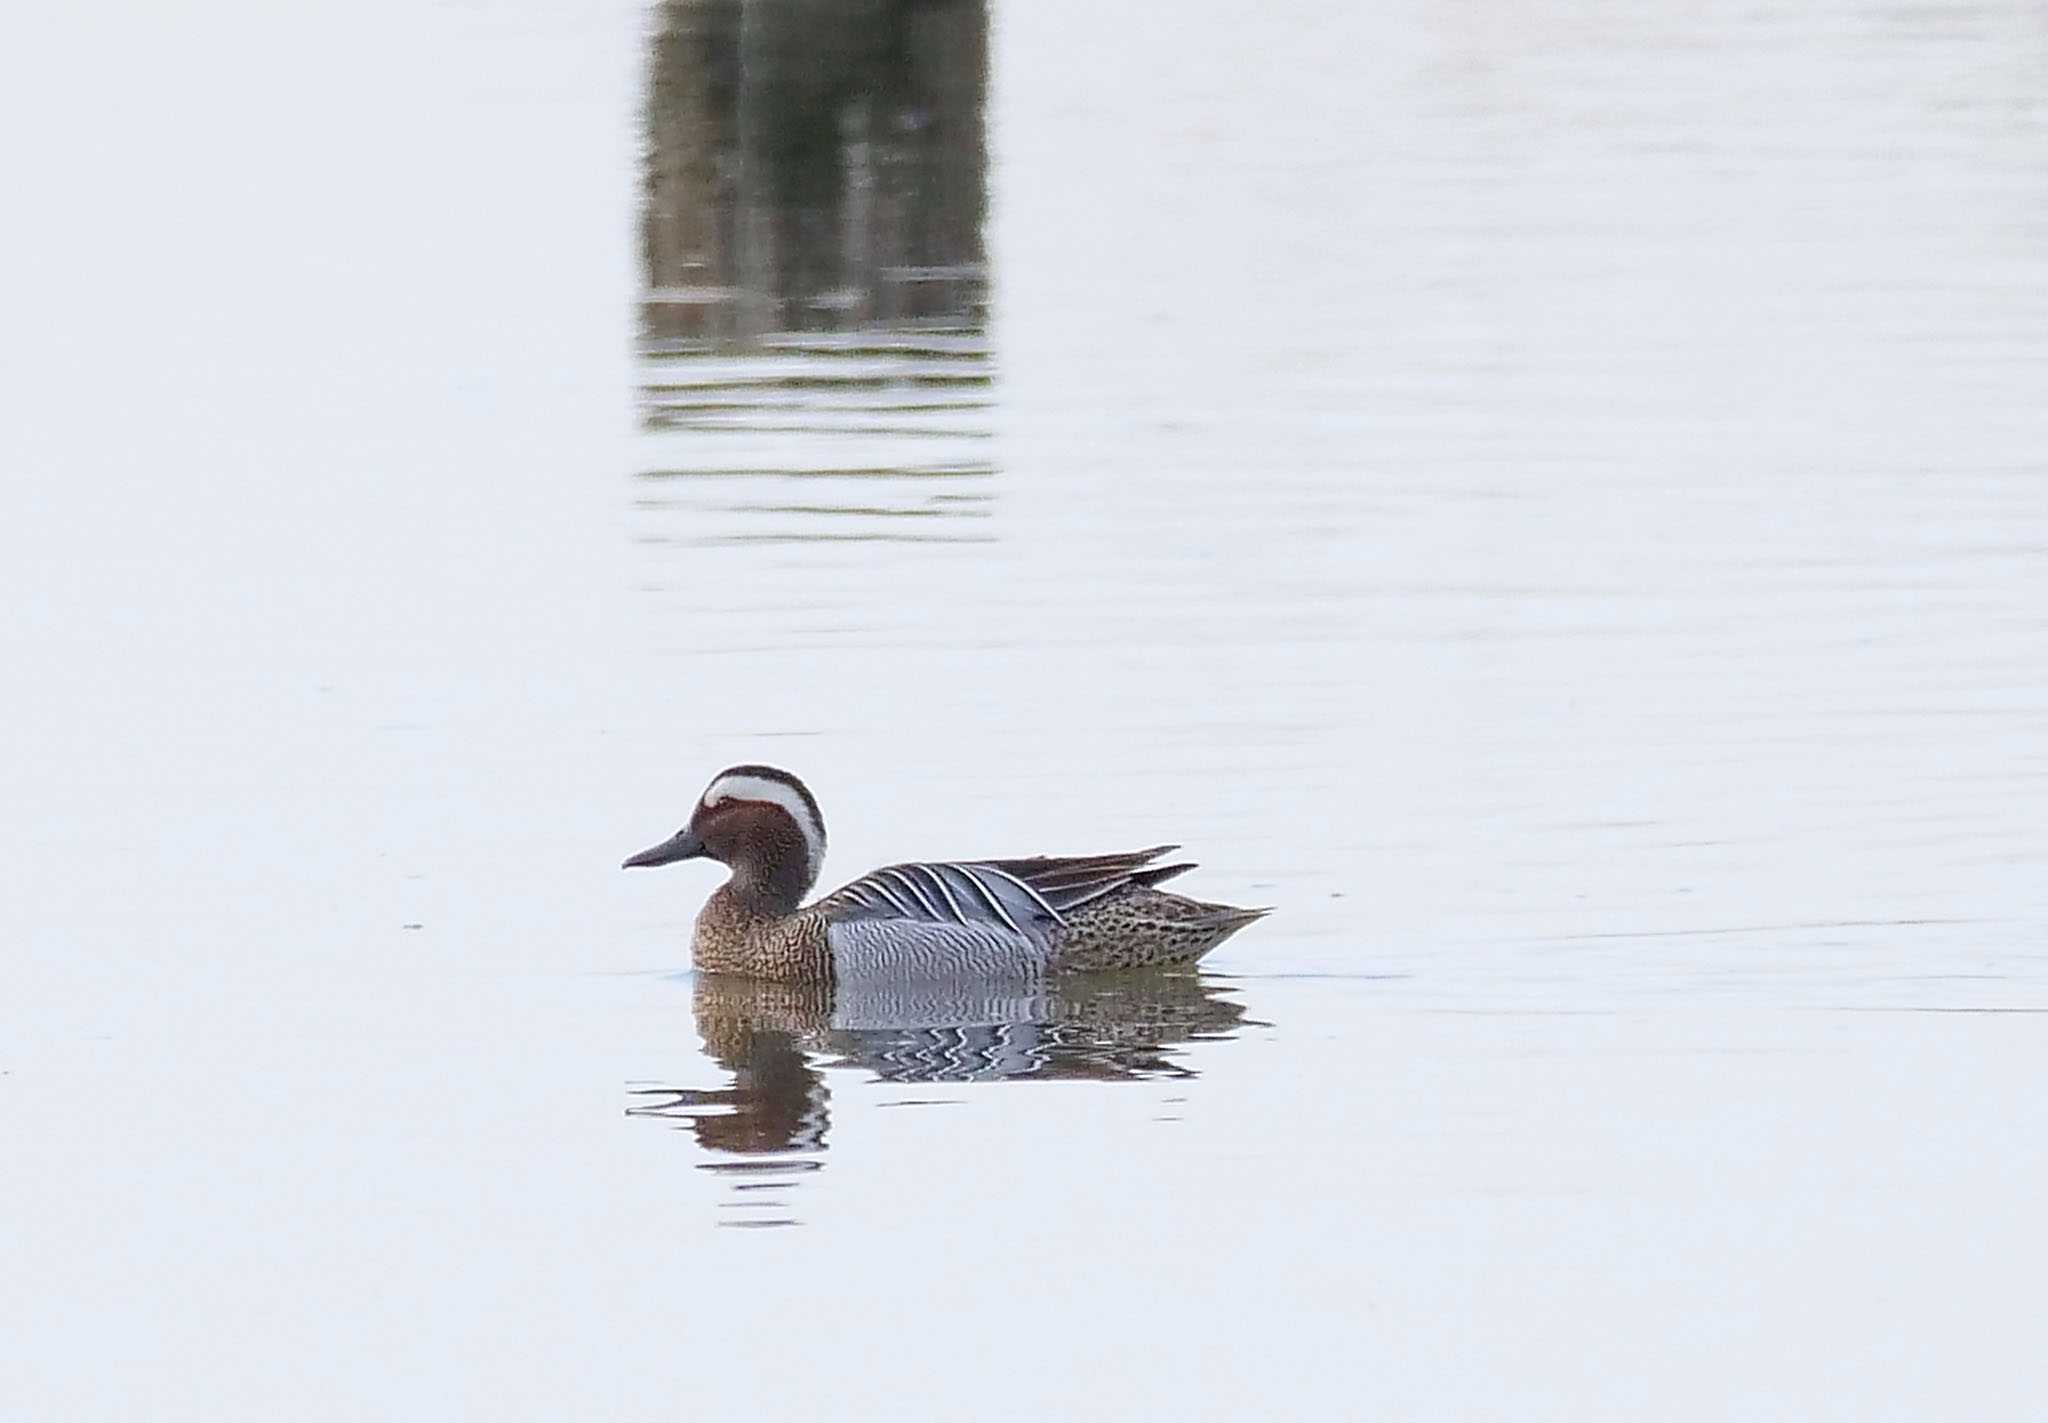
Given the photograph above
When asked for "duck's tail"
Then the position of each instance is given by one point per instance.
(1145, 927)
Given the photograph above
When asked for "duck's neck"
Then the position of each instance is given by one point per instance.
(767, 889)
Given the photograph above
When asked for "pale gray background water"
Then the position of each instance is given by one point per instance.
(1551, 497)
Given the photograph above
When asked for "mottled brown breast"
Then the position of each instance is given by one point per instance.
(734, 936)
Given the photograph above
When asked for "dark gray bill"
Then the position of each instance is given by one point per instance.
(683, 845)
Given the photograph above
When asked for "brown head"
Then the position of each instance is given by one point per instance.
(759, 822)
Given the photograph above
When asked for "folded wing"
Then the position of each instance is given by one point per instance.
(973, 916)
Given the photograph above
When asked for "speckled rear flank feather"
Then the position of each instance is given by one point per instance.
(1148, 928)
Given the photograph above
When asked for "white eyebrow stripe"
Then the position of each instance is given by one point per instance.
(780, 795)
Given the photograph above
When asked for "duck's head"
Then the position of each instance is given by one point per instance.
(760, 822)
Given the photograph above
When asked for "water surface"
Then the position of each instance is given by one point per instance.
(1553, 501)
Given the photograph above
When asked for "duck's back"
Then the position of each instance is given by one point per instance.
(936, 920)
(1019, 917)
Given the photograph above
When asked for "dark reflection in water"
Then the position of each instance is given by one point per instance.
(814, 165)
(815, 289)
(769, 1127)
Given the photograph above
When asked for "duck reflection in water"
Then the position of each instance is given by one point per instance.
(779, 1040)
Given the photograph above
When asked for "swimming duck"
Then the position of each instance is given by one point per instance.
(927, 920)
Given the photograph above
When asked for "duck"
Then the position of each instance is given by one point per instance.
(995, 918)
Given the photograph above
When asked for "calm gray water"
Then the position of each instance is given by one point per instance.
(1550, 498)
